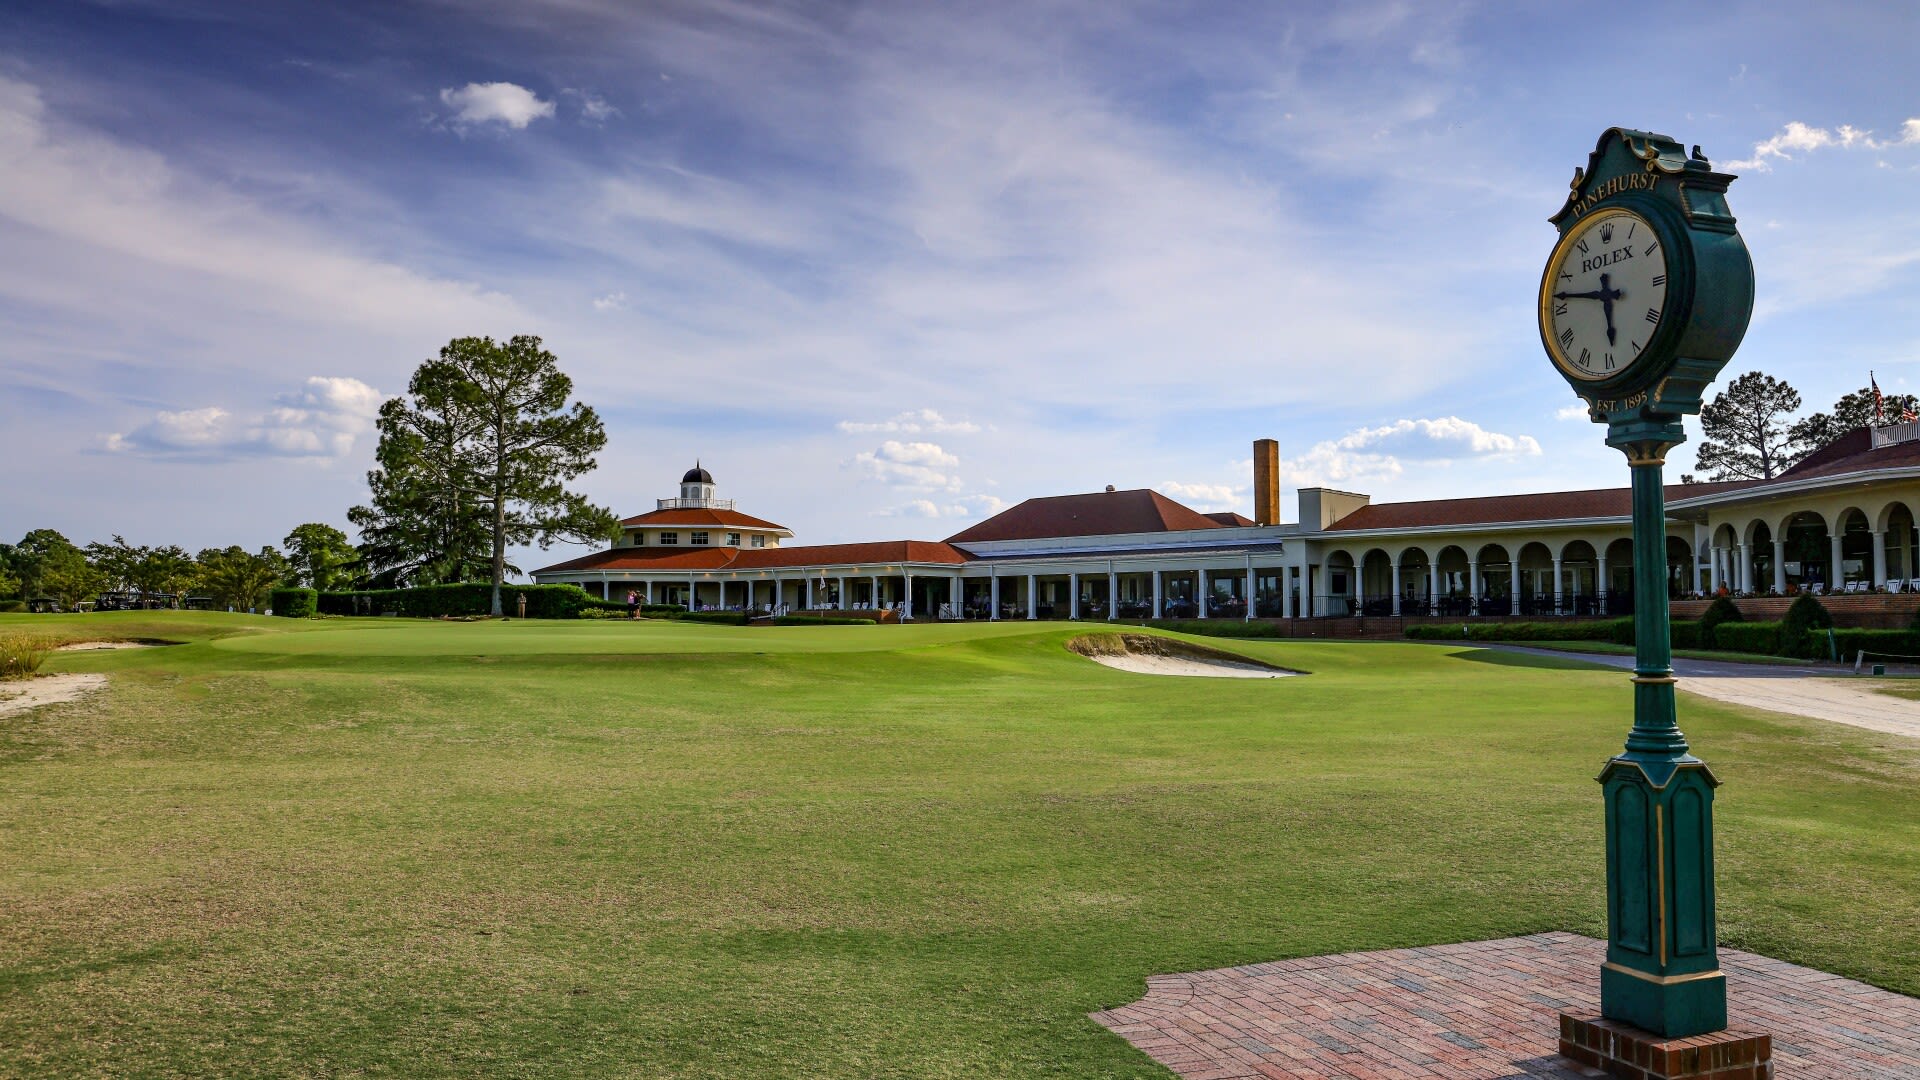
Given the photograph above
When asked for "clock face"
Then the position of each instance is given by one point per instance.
(1604, 295)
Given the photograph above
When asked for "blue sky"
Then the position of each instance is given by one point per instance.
(885, 268)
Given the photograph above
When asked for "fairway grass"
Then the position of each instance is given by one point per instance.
(404, 848)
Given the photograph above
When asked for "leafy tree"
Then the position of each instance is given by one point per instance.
(485, 428)
(118, 562)
(1851, 413)
(168, 570)
(424, 525)
(9, 581)
(1744, 430)
(49, 565)
(235, 577)
(320, 557)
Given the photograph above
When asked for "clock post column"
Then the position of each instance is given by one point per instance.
(1662, 971)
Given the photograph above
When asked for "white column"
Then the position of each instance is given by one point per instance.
(1714, 578)
(1396, 585)
(1473, 586)
(1513, 582)
(1780, 565)
(649, 587)
(1073, 596)
(1200, 599)
(1159, 608)
(1319, 589)
(1433, 585)
(1556, 585)
(953, 597)
(693, 588)
(1600, 589)
(906, 602)
(1880, 558)
(806, 592)
(779, 594)
(749, 594)
(1113, 594)
(873, 591)
(841, 582)
(993, 596)
(1033, 596)
(1286, 592)
(1249, 595)
(1835, 576)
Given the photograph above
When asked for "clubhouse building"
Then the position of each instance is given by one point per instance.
(1842, 520)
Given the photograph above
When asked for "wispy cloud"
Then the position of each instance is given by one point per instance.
(1378, 454)
(1802, 138)
(914, 422)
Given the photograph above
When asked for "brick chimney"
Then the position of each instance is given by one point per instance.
(1266, 482)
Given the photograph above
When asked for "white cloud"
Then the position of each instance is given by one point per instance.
(923, 421)
(915, 465)
(495, 103)
(964, 507)
(1801, 138)
(1372, 455)
(594, 108)
(1206, 498)
(1576, 411)
(610, 302)
(320, 421)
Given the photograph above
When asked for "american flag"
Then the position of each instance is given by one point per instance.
(1877, 414)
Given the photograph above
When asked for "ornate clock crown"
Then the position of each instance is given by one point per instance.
(1606, 232)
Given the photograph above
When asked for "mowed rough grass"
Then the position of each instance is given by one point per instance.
(386, 848)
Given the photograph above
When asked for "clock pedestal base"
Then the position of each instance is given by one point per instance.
(1622, 1050)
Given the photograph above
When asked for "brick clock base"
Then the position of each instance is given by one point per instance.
(1625, 1051)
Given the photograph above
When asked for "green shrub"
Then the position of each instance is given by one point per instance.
(464, 598)
(725, 618)
(1233, 628)
(1722, 610)
(1684, 634)
(294, 603)
(1762, 638)
(826, 620)
(22, 654)
(1882, 644)
(1618, 630)
(1804, 616)
(659, 609)
(13, 607)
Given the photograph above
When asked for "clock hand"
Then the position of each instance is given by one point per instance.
(1607, 297)
(1578, 296)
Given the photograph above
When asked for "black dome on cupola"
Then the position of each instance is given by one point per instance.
(697, 475)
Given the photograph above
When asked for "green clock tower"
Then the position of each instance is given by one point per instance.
(1645, 297)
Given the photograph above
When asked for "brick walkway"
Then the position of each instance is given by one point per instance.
(1485, 1009)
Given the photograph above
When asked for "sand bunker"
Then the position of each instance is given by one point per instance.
(1147, 654)
(95, 646)
(17, 696)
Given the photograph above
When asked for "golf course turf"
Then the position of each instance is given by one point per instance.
(419, 849)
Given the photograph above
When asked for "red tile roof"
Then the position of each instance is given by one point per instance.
(702, 517)
(1510, 509)
(663, 560)
(1097, 514)
(1853, 452)
(1229, 518)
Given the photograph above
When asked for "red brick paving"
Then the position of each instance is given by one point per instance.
(1484, 1010)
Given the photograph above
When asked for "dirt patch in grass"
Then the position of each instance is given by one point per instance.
(17, 696)
(1150, 654)
(97, 646)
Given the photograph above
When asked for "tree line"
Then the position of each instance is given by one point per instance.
(472, 459)
(1749, 430)
(46, 565)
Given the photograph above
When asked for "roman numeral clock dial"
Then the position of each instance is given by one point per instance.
(1603, 295)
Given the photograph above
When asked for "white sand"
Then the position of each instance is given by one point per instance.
(17, 696)
(1842, 701)
(95, 646)
(1180, 665)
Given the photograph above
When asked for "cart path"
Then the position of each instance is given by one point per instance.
(1812, 691)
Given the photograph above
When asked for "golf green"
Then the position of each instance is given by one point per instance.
(402, 848)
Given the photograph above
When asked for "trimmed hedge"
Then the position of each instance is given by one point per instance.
(294, 603)
(1797, 638)
(1882, 643)
(1722, 610)
(725, 618)
(829, 620)
(1231, 628)
(1684, 634)
(1748, 637)
(464, 598)
(13, 607)
(1619, 631)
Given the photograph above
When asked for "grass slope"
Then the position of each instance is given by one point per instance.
(385, 848)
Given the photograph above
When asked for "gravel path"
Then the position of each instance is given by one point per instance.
(1809, 690)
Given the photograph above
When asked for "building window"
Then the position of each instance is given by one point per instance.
(733, 539)
(699, 539)
(668, 539)
(759, 540)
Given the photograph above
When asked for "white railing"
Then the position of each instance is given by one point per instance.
(1895, 433)
(693, 504)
